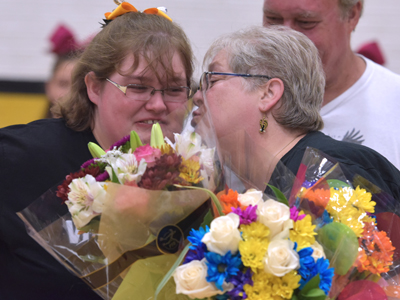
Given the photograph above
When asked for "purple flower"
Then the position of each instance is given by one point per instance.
(88, 163)
(120, 142)
(294, 214)
(238, 282)
(247, 216)
(307, 184)
(103, 176)
(196, 254)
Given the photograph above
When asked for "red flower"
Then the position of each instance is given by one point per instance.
(63, 189)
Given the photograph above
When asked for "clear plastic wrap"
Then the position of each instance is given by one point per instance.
(128, 219)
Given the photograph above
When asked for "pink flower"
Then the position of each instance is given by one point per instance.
(148, 153)
(294, 214)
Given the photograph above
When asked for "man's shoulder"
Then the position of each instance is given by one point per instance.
(382, 73)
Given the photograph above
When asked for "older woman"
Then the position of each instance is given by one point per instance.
(135, 72)
(263, 89)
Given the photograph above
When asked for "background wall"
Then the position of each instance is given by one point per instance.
(25, 27)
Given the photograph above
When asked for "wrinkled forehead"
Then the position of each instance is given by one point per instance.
(168, 67)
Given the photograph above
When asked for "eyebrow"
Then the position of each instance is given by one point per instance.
(302, 14)
(178, 79)
(213, 65)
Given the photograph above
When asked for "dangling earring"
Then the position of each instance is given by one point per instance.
(263, 124)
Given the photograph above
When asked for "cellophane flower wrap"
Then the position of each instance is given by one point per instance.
(357, 223)
(129, 212)
(328, 236)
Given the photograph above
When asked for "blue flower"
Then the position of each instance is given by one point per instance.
(238, 281)
(325, 274)
(307, 268)
(196, 236)
(222, 268)
(324, 219)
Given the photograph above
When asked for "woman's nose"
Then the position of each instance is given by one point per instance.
(198, 98)
(156, 102)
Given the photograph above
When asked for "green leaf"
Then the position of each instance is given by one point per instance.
(135, 140)
(312, 284)
(337, 183)
(311, 290)
(279, 195)
(210, 193)
(157, 137)
(95, 150)
(171, 271)
(207, 219)
(314, 294)
(114, 177)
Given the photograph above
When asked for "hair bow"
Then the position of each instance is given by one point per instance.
(63, 41)
(125, 7)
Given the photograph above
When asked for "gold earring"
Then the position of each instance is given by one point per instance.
(263, 124)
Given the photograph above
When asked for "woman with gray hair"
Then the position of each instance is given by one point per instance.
(264, 88)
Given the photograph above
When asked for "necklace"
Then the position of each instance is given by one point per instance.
(287, 146)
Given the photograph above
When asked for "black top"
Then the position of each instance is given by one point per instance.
(353, 158)
(34, 158)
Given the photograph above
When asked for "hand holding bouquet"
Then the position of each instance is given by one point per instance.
(129, 212)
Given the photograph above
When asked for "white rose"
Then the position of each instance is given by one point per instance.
(276, 216)
(281, 258)
(224, 234)
(251, 197)
(191, 280)
(318, 251)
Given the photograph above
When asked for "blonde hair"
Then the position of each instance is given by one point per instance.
(151, 37)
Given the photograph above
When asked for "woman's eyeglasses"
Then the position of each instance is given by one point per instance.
(141, 92)
(206, 80)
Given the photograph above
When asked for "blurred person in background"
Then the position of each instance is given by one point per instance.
(135, 72)
(66, 50)
(361, 97)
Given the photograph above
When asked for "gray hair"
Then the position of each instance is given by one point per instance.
(346, 5)
(283, 53)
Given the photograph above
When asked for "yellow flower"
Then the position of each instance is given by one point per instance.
(362, 200)
(254, 230)
(353, 219)
(268, 286)
(253, 251)
(166, 149)
(261, 288)
(349, 207)
(190, 171)
(303, 232)
(284, 286)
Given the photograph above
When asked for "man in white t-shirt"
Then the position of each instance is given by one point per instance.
(361, 97)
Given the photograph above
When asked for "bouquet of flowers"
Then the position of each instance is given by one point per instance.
(327, 241)
(129, 212)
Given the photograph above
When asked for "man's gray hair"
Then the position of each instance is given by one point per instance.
(346, 5)
(283, 53)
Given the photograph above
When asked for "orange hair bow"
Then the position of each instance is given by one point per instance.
(125, 7)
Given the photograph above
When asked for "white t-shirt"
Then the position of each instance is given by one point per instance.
(368, 113)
